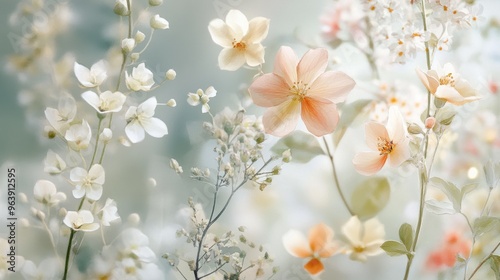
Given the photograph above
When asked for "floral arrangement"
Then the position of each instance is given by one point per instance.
(377, 135)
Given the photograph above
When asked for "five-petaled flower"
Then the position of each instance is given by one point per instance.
(88, 184)
(140, 119)
(82, 220)
(446, 83)
(364, 239)
(301, 88)
(320, 245)
(240, 38)
(387, 142)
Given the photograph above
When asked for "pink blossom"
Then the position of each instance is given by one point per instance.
(301, 88)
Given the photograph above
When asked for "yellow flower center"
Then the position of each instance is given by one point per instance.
(358, 249)
(385, 146)
(299, 90)
(241, 46)
(447, 80)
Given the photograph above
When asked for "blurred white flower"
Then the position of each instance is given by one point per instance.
(61, 117)
(202, 97)
(48, 269)
(134, 244)
(128, 44)
(139, 37)
(92, 77)
(88, 184)
(364, 239)
(141, 78)
(240, 38)
(158, 22)
(45, 192)
(140, 119)
(78, 136)
(105, 102)
(108, 213)
(82, 220)
(175, 166)
(53, 163)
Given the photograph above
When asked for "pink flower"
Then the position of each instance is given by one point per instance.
(388, 142)
(320, 245)
(301, 88)
(446, 256)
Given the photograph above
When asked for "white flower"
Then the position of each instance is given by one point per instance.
(89, 183)
(128, 44)
(364, 239)
(61, 117)
(78, 136)
(134, 243)
(194, 99)
(93, 77)
(158, 22)
(106, 102)
(45, 192)
(46, 270)
(175, 166)
(240, 38)
(108, 213)
(140, 119)
(141, 78)
(54, 164)
(82, 220)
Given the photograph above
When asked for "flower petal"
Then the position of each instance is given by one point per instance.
(450, 94)
(319, 115)
(221, 33)
(352, 230)
(92, 99)
(282, 119)
(257, 30)
(375, 131)
(296, 244)
(369, 163)
(269, 90)
(231, 59)
(254, 54)
(238, 22)
(155, 127)
(147, 108)
(319, 236)
(332, 85)
(94, 192)
(314, 266)
(374, 231)
(400, 153)
(134, 132)
(82, 73)
(396, 126)
(285, 65)
(312, 64)
(429, 79)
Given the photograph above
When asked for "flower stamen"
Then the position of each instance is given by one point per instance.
(385, 146)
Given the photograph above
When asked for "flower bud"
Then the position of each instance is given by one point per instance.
(171, 103)
(430, 122)
(134, 56)
(106, 135)
(158, 22)
(287, 156)
(170, 74)
(439, 102)
(121, 9)
(155, 2)
(134, 219)
(415, 129)
(128, 45)
(139, 37)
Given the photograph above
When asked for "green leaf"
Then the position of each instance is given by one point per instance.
(492, 173)
(370, 197)
(406, 235)
(349, 113)
(486, 224)
(303, 146)
(439, 207)
(394, 248)
(494, 261)
(451, 191)
(466, 189)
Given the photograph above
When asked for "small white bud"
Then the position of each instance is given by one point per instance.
(135, 56)
(23, 198)
(175, 166)
(106, 135)
(63, 212)
(155, 2)
(121, 9)
(134, 219)
(24, 222)
(171, 103)
(170, 75)
(158, 22)
(287, 156)
(124, 141)
(128, 44)
(139, 37)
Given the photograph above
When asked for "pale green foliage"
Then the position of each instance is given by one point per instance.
(370, 197)
(303, 146)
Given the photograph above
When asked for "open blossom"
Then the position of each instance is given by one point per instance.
(105, 102)
(61, 117)
(387, 142)
(92, 77)
(45, 192)
(79, 135)
(318, 245)
(53, 163)
(140, 119)
(82, 220)
(364, 239)
(141, 78)
(445, 83)
(134, 244)
(446, 255)
(89, 183)
(108, 213)
(301, 88)
(240, 38)
(202, 97)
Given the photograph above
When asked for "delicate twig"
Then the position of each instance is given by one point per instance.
(484, 260)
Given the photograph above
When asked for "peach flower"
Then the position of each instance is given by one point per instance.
(320, 245)
(301, 88)
(446, 256)
(388, 142)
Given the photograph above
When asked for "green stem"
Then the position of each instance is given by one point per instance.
(96, 141)
(335, 177)
(68, 250)
(484, 261)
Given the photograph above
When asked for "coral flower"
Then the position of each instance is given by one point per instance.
(446, 256)
(301, 88)
(446, 83)
(320, 245)
(388, 142)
